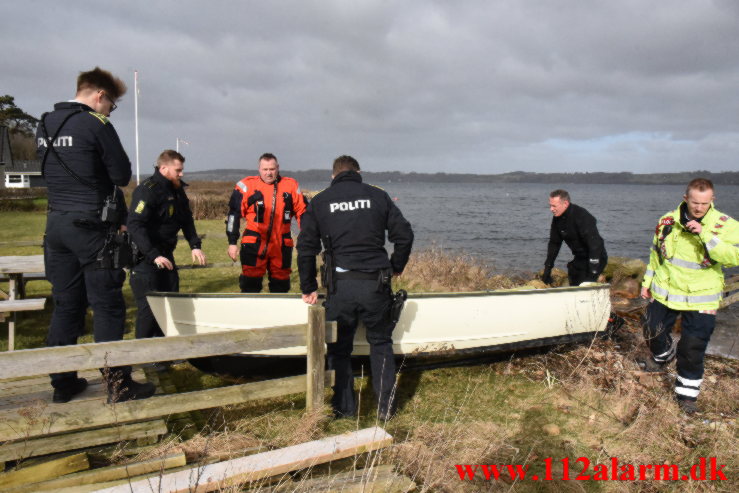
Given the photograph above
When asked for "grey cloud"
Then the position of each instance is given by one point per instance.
(467, 86)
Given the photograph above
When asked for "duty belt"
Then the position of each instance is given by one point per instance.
(356, 275)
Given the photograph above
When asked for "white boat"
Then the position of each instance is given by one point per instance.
(431, 323)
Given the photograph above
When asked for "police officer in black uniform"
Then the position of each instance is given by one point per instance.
(577, 227)
(159, 210)
(83, 161)
(350, 219)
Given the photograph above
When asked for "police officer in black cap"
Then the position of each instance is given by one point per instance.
(350, 218)
(83, 161)
(159, 210)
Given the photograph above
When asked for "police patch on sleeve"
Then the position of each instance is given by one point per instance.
(140, 207)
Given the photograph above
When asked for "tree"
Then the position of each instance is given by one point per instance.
(17, 120)
(22, 127)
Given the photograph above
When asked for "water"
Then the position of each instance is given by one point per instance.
(507, 225)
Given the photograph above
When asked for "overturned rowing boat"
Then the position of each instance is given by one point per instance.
(432, 324)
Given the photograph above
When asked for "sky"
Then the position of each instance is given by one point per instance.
(427, 86)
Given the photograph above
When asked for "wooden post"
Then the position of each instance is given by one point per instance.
(316, 354)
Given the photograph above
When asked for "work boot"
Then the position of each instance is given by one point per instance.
(130, 390)
(66, 393)
(649, 365)
(687, 406)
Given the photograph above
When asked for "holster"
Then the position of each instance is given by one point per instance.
(328, 272)
(116, 253)
(396, 305)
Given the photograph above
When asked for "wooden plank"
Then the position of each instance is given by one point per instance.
(106, 474)
(375, 479)
(47, 470)
(130, 352)
(22, 305)
(7, 383)
(31, 385)
(316, 358)
(21, 264)
(254, 467)
(70, 441)
(57, 418)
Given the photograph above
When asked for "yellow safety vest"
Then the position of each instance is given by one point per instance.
(685, 269)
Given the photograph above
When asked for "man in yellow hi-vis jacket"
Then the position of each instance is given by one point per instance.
(685, 277)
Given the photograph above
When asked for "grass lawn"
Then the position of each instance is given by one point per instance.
(583, 401)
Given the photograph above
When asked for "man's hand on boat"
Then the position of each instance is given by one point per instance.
(163, 263)
(233, 252)
(198, 256)
(312, 298)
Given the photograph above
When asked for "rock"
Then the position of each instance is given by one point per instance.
(622, 267)
(712, 379)
(551, 429)
(626, 288)
(537, 284)
(718, 426)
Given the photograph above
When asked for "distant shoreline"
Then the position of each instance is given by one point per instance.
(620, 178)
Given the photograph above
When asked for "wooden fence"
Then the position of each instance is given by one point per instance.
(78, 415)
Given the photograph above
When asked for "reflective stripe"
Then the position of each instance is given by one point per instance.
(230, 227)
(686, 263)
(681, 298)
(242, 186)
(666, 356)
(649, 273)
(690, 383)
(687, 392)
(712, 244)
(594, 260)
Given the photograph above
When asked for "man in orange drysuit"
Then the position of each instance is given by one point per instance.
(268, 202)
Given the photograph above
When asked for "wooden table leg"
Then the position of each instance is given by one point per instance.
(12, 293)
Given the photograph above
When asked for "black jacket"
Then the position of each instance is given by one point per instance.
(158, 212)
(355, 216)
(577, 227)
(89, 145)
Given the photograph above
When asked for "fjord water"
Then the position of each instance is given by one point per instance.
(507, 225)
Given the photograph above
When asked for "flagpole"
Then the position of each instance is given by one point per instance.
(136, 118)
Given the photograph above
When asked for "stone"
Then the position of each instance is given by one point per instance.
(551, 429)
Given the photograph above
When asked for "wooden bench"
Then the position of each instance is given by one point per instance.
(9, 307)
(31, 276)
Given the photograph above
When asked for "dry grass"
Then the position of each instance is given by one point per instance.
(435, 270)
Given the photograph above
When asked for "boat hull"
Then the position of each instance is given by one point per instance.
(431, 324)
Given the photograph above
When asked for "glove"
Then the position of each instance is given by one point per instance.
(546, 277)
(256, 197)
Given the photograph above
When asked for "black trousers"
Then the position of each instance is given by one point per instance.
(697, 328)
(146, 277)
(353, 301)
(71, 244)
(578, 270)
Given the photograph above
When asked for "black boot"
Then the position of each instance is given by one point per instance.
(126, 389)
(65, 394)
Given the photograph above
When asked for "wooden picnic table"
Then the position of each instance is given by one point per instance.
(15, 267)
